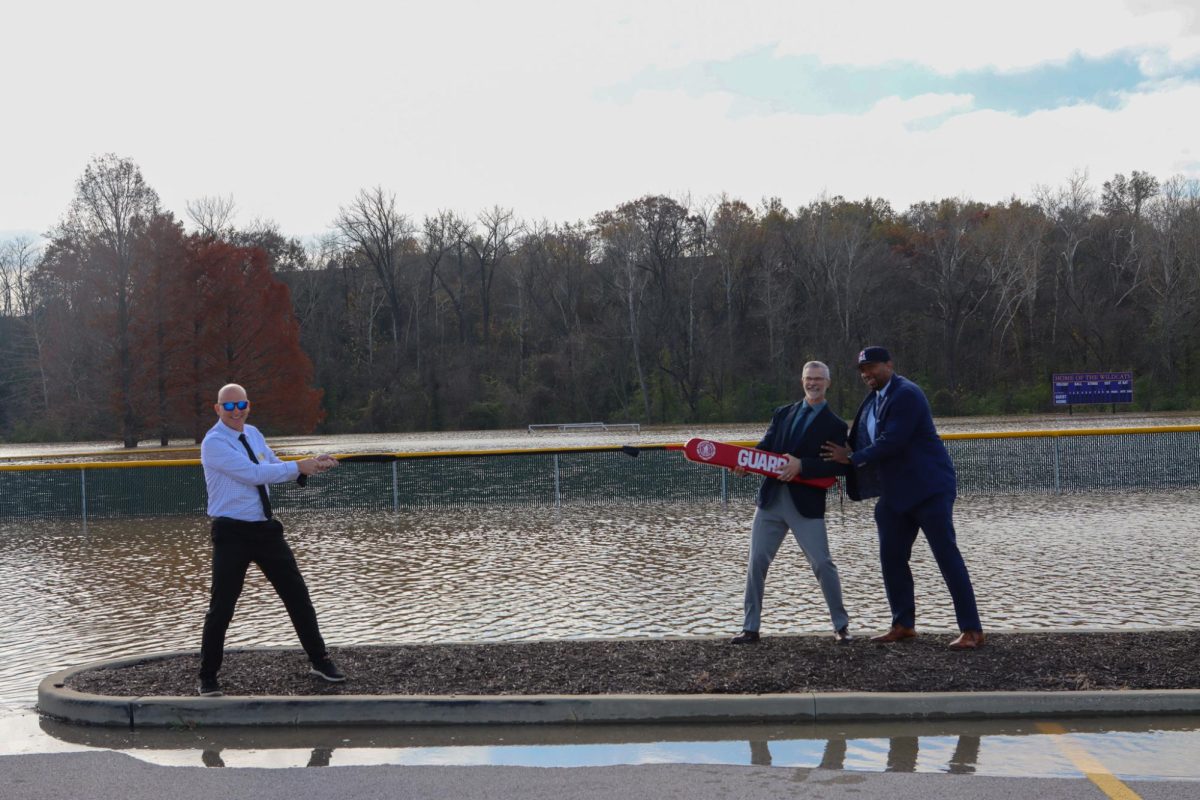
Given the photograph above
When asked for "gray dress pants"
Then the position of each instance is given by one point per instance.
(770, 528)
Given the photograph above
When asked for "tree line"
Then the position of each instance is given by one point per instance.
(660, 310)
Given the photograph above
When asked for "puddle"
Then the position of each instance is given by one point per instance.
(1144, 748)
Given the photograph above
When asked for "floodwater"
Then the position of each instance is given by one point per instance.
(132, 586)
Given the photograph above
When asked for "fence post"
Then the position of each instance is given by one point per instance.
(1057, 477)
(83, 493)
(724, 487)
(395, 489)
(557, 487)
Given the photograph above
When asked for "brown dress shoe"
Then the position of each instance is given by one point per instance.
(968, 640)
(896, 634)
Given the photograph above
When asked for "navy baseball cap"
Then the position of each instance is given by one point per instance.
(873, 354)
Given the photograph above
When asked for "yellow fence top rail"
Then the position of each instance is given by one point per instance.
(404, 456)
(1072, 432)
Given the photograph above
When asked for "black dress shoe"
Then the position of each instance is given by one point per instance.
(745, 637)
(324, 669)
(842, 635)
(209, 688)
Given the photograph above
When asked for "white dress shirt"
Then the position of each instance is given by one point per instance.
(233, 479)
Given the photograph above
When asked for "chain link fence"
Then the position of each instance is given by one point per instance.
(1116, 459)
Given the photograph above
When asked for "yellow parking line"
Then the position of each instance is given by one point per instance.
(1095, 772)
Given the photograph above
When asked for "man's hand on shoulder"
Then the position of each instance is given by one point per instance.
(832, 451)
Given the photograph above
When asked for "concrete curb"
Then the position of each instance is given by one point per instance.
(58, 701)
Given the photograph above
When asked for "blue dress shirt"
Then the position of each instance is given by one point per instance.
(873, 410)
(233, 479)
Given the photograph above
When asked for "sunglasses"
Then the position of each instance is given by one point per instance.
(240, 405)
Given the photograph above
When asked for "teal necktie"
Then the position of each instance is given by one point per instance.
(799, 422)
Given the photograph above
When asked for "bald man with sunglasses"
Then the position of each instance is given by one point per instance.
(238, 466)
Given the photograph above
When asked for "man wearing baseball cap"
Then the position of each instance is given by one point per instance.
(897, 456)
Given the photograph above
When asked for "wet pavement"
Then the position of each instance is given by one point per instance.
(1131, 749)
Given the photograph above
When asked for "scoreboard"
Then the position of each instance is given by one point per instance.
(1074, 388)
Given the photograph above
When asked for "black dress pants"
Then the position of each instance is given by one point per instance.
(237, 544)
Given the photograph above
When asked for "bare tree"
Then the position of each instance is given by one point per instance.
(1011, 243)
(558, 267)
(625, 274)
(445, 263)
(381, 235)
(321, 254)
(492, 246)
(734, 239)
(948, 265)
(18, 257)
(212, 215)
(1070, 210)
(770, 288)
(841, 240)
(1173, 277)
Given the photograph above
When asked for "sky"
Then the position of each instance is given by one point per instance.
(560, 110)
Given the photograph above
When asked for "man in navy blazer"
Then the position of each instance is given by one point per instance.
(797, 430)
(897, 456)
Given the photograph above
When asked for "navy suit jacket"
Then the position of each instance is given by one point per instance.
(908, 462)
(825, 426)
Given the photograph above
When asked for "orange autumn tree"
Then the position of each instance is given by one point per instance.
(238, 327)
(158, 301)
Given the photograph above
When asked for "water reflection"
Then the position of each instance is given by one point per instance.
(1136, 748)
(134, 586)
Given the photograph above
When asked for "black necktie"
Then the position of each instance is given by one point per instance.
(262, 490)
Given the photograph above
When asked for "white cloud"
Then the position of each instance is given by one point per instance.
(982, 154)
(951, 36)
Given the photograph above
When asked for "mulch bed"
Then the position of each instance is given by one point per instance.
(1009, 662)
